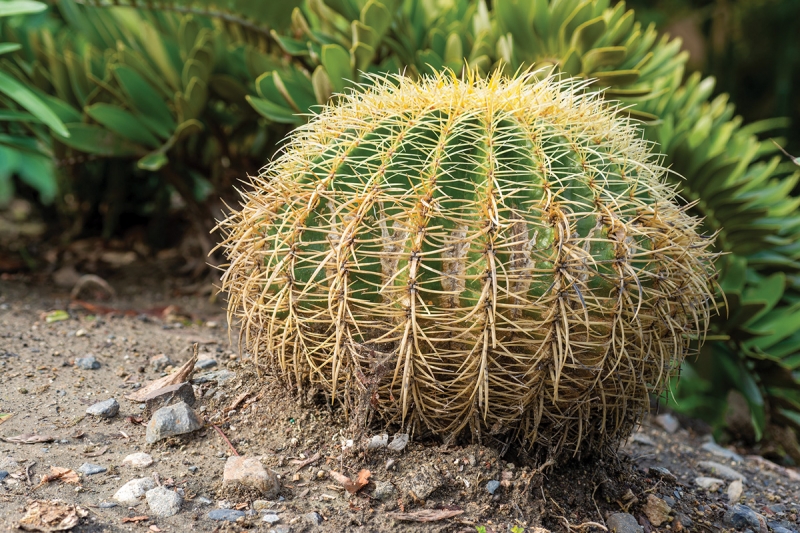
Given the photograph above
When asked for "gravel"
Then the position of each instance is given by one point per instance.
(89, 469)
(163, 502)
(87, 363)
(105, 409)
(228, 515)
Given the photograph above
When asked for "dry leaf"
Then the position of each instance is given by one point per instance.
(135, 519)
(5, 416)
(66, 475)
(349, 485)
(29, 438)
(96, 453)
(184, 373)
(425, 515)
(54, 515)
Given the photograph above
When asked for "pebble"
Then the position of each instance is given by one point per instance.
(193, 469)
(313, 518)
(378, 441)
(81, 333)
(271, 518)
(668, 422)
(202, 500)
(229, 515)
(138, 460)
(725, 472)
(250, 472)
(106, 409)
(384, 490)
(160, 362)
(3, 474)
(623, 523)
(492, 486)
(741, 517)
(89, 469)
(716, 449)
(106, 505)
(399, 442)
(709, 483)
(205, 364)
(657, 510)
(281, 529)
(659, 472)
(220, 376)
(424, 482)
(173, 420)
(163, 502)
(134, 490)
(87, 363)
(735, 490)
(781, 529)
(644, 439)
(390, 463)
(172, 394)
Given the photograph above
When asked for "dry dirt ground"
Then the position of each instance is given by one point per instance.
(47, 395)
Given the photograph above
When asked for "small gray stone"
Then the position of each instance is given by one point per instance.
(106, 409)
(138, 460)
(220, 376)
(271, 518)
(623, 523)
(492, 486)
(709, 483)
(107, 505)
(668, 422)
(193, 469)
(399, 442)
(662, 473)
(424, 482)
(205, 364)
(172, 394)
(643, 439)
(313, 518)
(3, 474)
(383, 490)
(250, 472)
(657, 510)
(741, 517)
(202, 500)
(173, 420)
(87, 363)
(89, 469)
(378, 441)
(134, 490)
(720, 470)
(164, 502)
(228, 515)
(780, 529)
(716, 449)
(281, 529)
(160, 362)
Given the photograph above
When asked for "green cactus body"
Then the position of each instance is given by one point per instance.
(499, 255)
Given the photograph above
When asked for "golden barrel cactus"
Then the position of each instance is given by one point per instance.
(498, 255)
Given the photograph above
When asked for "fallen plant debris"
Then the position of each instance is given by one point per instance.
(184, 373)
(96, 453)
(135, 519)
(52, 515)
(65, 475)
(5, 416)
(349, 485)
(426, 515)
(29, 438)
(305, 462)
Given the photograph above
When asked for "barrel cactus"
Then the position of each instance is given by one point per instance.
(501, 256)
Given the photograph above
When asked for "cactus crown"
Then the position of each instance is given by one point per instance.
(495, 254)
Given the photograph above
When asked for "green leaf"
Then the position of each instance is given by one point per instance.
(146, 100)
(336, 61)
(153, 161)
(56, 316)
(122, 123)
(323, 88)
(27, 99)
(9, 8)
(273, 111)
(9, 47)
(376, 16)
(96, 140)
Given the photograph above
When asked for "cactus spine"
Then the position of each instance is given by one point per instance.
(492, 254)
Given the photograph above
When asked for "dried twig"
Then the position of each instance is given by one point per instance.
(226, 440)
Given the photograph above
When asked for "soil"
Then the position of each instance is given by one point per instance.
(151, 314)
